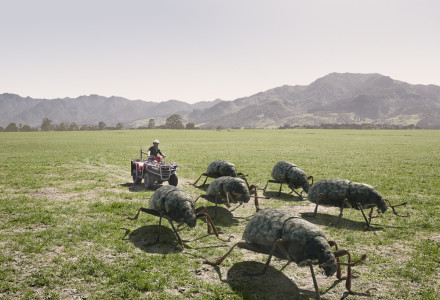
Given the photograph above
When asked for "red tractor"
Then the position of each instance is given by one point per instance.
(153, 170)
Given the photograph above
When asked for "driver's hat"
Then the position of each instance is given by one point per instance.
(156, 142)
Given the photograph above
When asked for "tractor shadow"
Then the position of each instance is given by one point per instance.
(134, 188)
(272, 285)
(145, 235)
(330, 221)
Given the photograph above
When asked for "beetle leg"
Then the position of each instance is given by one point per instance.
(265, 187)
(338, 272)
(340, 214)
(278, 242)
(315, 282)
(363, 214)
(281, 186)
(205, 216)
(220, 260)
(175, 231)
(317, 203)
(299, 195)
(239, 204)
(198, 198)
(310, 177)
(242, 176)
(252, 189)
(350, 264)
(393, 206)
(203, 174)
(146, 210)
(158, 233)
(155, 213)
(204, 182)
(273, 181)
(370, 215)
(227, 199)
(283, 249)
(257, 205)
(201, 213)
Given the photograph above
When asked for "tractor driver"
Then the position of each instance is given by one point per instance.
(154, 151)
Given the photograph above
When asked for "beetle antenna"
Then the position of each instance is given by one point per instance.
(394, 211)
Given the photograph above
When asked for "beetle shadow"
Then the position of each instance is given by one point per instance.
(202, 187)
(274, 284)
(283, 196)
(330, 221)
(224, 216)
(145, 235)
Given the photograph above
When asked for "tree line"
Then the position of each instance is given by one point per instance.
(172, 122)
(351, 126)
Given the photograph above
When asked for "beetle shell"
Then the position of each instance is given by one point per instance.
(175, 203)
(294, 176)
(237, 187)
(339, 192)
(303, 240)
(221, 168)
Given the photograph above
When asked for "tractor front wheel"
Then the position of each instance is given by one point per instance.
(174, 180)
(136, 179)
(148, 180)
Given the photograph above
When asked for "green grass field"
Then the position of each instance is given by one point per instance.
(65, 197)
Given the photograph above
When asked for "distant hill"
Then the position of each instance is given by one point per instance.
(89, 110)
(336, 98)
(333, 99)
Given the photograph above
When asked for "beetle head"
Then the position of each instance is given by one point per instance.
(306, 186)
(320, 249)
(184, 212)
(241, 197)
(240, 191)
(379, 200)
(189, 215)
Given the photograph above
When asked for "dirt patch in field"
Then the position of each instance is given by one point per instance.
(54, 194)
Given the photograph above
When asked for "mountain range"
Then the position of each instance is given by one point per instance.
(338, 98)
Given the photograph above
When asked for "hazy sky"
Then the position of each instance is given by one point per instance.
(200, 50)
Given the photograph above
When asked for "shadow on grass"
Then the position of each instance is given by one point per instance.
(144, 236)
(140, 187)
(223, 216)
(201, 187)
(272, 285)
(330, 220)
(283, 196)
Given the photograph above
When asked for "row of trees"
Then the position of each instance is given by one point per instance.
(176, 122)
(351, 126)
(12, 127)
(47, 125)
(173, 122)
